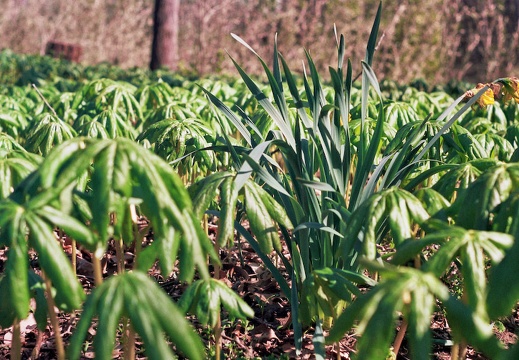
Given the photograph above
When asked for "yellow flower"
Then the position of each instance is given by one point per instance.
(487, 98)
(511, 89)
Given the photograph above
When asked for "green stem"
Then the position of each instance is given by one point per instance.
(60, 349)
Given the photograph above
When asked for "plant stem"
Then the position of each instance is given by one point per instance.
(45, 100)
(16, 344)
(120, 255)
(217, 330)
(60, 349)
(400, 337)
(218, 337)
(73, 257)
(98, 271)
(36, 351)
(129, 341)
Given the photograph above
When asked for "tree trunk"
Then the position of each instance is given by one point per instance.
(164, 52)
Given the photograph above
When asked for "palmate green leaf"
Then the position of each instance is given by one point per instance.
(503, 291)
(37, 288)
(167, 204)
(375, 312)
(204, 192)
(459, 177)
(204, 298)
(333, 285)
(14, 285)
(495, 145)
(72, 227)
(104, 94)
(475, 207)
(19, 223)
(171, 136)
(470, 246)
(69, 292)
(494, 244)
(410, 248)
(396, 206)
(465, 144)
(93, 129)
(111, 121)
(46, 132)
(473, 328)
(155, 95)
(152, 314)
(124, 174)
(433, 202)
(14, 167)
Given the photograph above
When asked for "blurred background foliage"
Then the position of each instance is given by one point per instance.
(436, 41)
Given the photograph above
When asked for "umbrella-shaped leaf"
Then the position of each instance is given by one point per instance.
(152, 314)
(503, 290)
(14, 285)
(204, 192)
(205, 298)
(69, 292)
(396, 206)
(375, 312)
(46, 132)
(485, 194)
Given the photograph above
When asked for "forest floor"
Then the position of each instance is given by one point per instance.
(266, 336)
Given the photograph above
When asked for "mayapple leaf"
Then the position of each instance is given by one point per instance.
(409, 291)
(205, 191)
(57, 267)
(14, 285)
(205, 299)
(472, 327)
(503, 291)
(152, 314)
(398, 207)
(109, 311)
(72, 227)
(37, 288)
